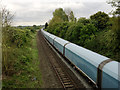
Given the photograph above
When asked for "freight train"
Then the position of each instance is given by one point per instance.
(100, 70)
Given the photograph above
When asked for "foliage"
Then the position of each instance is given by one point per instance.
(23, 66)
(71, 17)
(7, 17)
(73, 32)
(116, 4)
(60, 14)
(113, 36)
(86, 32)
(100, 20)
(83, 20)
(16, 38)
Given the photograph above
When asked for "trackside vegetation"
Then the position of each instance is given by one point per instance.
(20, 58)
(20, 64)
(99, 33)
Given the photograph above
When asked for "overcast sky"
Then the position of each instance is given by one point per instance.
(30, 12)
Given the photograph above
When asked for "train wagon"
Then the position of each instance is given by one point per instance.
(101, 70)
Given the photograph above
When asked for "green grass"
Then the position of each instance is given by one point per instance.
(27, 73)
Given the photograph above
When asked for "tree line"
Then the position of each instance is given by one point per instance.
(99, 33)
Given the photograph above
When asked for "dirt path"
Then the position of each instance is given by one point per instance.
(50, 80)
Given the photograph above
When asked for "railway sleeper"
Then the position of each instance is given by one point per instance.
(69, 86)
(67, 83)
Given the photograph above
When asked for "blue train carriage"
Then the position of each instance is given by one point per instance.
(85, 60)
(59, 44)
(51, 38)
(111, 75)
(89, 62)
(43, 32)
(46, 34)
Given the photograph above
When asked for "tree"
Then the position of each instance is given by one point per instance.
(63, 28)
(60, 14)
(85, 33)
(115, 4)
(114, 35)
(83, 20)
(100, 20)
(6, 17)
(46, 25)
(73, 32)
(68, 35)
(71, 17)
(6, 35)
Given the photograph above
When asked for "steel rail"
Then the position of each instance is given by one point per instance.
(64, 78)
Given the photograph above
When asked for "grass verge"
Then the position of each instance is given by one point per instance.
(27, 67)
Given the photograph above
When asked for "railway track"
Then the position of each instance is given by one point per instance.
(64, 77)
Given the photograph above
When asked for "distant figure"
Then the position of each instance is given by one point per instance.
(46, 24)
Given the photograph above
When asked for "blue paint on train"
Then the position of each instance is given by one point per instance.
(81, 63)
(109, 82)
(58, 46)
(88, 61)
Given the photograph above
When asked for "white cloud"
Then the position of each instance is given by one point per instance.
(39, 11)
